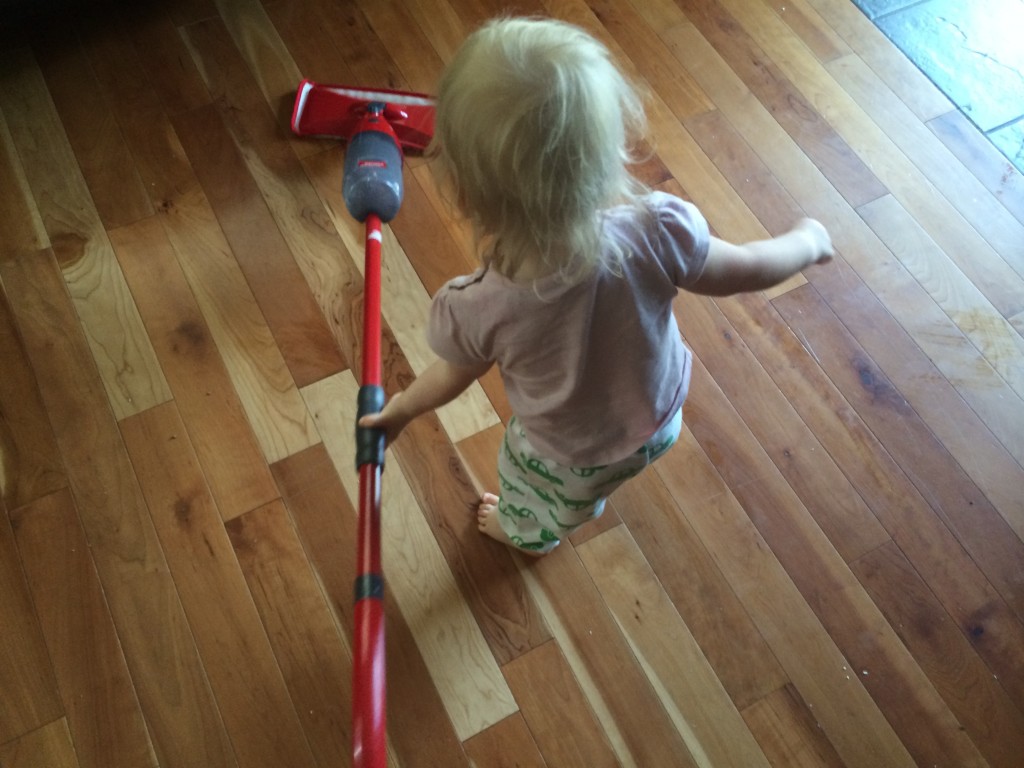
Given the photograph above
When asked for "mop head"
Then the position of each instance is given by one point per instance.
(334, 111)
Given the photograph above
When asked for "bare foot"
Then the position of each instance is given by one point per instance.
(487, 523)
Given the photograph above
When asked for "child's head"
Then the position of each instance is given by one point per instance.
(534, 128)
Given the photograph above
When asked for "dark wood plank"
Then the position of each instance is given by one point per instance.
(31, 698)
(419, 728)
(91, 125)
(168, 675)
(968, 686)
(103, 712)
(232, 461)
(958, 580)
(258, 714)
(31, 465)
(315, 661)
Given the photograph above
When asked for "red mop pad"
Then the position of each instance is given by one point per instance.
(334, 111)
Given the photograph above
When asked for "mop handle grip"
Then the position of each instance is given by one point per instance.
(370, 441)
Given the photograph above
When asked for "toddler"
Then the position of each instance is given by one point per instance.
(580, 265)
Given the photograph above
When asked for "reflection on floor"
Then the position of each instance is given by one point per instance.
(972, 52)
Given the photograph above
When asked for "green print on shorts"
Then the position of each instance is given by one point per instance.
(625, 474)
(564, 526)
(510, 510)
(546, 535)
(520, 542)
(586, 471)
(507, 486)
(537, 467)
(575, 504)
(512, 457)
(544, 495)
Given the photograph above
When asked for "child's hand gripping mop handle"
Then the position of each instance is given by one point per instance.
(372, 189)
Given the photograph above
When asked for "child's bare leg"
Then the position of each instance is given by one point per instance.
(487, 523)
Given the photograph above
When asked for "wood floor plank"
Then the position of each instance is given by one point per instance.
(858, 628)
(275, 279)
(407, 44)
(898, 71)
(835, 158)
(30, 462)
(992, 275)
(101, 706)
(128, 367)
(986, 162)
(806, 652)
(695, 699)
(975, 695)
(224, 440)
(418, 726)
(50, 746)
(180, 711)
(508, 744)
(91, 126)
(731, 643)
(314, 659)
(557, 712)
(31, 697)
(23, 227)
(887, 291)
(419, 576)
(786, 729)
(816, 33)
(997, 340)
(956, 579)
(259, 716)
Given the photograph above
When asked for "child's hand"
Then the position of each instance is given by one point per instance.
(819, 238)
(391, 419)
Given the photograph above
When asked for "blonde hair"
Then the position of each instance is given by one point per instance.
(534, 130)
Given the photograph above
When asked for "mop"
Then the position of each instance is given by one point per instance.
(377, 126)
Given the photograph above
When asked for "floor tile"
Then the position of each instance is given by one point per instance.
(971, 51)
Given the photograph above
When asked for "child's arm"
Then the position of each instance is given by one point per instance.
(441, 383)
(763, 263)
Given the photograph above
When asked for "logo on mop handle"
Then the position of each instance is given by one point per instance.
(372, 164)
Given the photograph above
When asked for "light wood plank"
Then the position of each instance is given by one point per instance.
(23, 226)
(122, 352)
(451, 643)
(102, 710)
(224, 440)
(695, 699)
(258, 713)
(168, 675)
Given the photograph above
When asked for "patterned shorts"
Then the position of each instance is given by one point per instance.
(541, 501)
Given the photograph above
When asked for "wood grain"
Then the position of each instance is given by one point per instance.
(825, 570)
(102, 711)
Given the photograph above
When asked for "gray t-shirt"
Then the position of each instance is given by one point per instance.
(593, 368)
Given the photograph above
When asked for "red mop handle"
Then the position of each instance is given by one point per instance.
(368, 721)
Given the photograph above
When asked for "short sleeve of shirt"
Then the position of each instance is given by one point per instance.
(449, 334)
(683, 236)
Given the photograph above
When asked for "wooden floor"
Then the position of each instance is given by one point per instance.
(828, 569)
